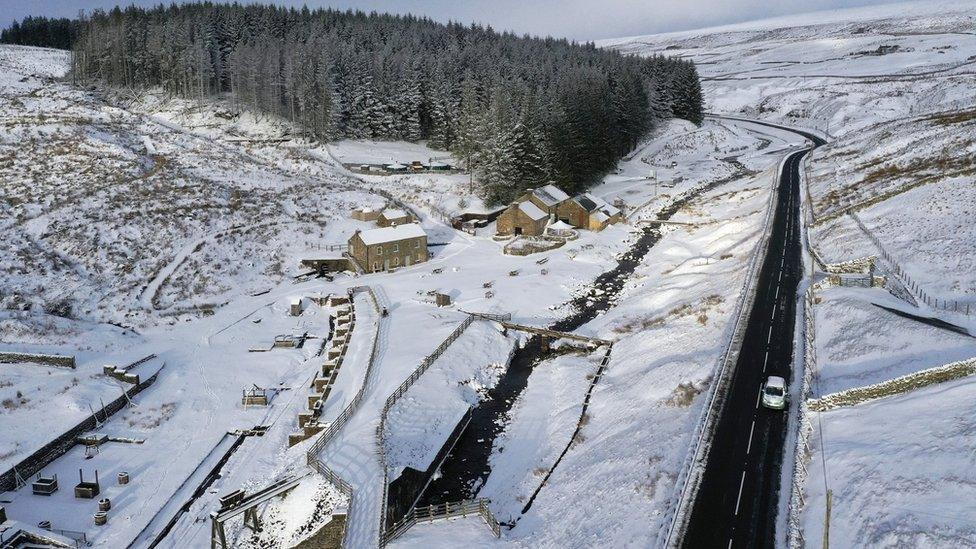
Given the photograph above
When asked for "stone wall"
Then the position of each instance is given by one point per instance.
(60, 361)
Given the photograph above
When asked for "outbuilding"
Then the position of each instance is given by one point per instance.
(522, 218)
(389, 247)
(392, 217)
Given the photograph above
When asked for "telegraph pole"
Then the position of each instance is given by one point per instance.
(826, 532)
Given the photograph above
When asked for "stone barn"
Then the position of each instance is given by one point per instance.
(392, 217)
(387, 248)
(522, 218)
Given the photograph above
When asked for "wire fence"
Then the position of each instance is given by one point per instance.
(912, 285)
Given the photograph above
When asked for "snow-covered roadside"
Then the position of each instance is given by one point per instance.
(900, 470)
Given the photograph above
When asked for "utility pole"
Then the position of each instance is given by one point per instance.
(826, 532)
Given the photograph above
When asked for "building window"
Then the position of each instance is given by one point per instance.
(376, 266)
(396, 261)
(396, 248)
(416, 244)
(379, 250)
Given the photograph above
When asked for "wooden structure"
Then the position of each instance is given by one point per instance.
(87, 490)
(255, 396)
(295, 308)
(45, 486)
(389, 247)
(238, 503)
(590, 212)
(444, 511)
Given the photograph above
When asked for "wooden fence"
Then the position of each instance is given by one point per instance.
(326, 436)
(425, 364)
(445, 511)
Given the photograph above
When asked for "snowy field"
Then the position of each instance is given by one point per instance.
(900, 469)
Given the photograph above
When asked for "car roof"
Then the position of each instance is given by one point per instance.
(776, 381)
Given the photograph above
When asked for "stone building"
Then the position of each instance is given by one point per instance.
(590, 212)
(389, 247)
(522, 218)
(392, 217)
(530, 212)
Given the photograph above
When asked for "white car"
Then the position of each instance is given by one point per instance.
(774, 393)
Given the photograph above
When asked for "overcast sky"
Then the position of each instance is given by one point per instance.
(576, 19)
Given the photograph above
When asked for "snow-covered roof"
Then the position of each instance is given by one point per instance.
(395, 167)
(532, 211)
(593, 203)
(392, 234)
(561, 226)
(394, 214)
(601, 216)
(550, 195)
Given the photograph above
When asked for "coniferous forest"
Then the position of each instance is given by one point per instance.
(519, 111)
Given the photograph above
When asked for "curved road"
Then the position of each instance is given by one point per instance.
(738, 498)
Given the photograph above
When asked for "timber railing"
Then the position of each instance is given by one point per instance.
(425, 364)
(326, 436)
(691, 472)
(444, 511)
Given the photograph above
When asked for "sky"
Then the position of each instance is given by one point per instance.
(580, 20)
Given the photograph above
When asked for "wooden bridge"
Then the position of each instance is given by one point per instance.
(237, 503)
(505, 321)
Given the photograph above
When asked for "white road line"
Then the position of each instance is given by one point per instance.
(739, 498)
(759, 394)
(730, 543)
(777, 292)
(765, 361)
(780, 276)
(751, 429)
(769, 335)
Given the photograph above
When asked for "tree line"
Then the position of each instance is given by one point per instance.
(519, 111)
(44, 32)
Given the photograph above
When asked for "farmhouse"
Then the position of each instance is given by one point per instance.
(587, 211)
(389, 247)
(393, 217)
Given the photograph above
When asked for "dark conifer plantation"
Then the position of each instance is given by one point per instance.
(520, 111)
(42, 32)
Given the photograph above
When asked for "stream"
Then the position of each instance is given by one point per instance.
(465, 468)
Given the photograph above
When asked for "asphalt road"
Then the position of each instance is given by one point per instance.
(737, 501)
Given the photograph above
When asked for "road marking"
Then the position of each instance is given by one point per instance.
(780, 276)
(765, 361)
(730, 543)
(777, 292)
(759, 394)
(751, 429)
(739, 498)
(769, 335)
